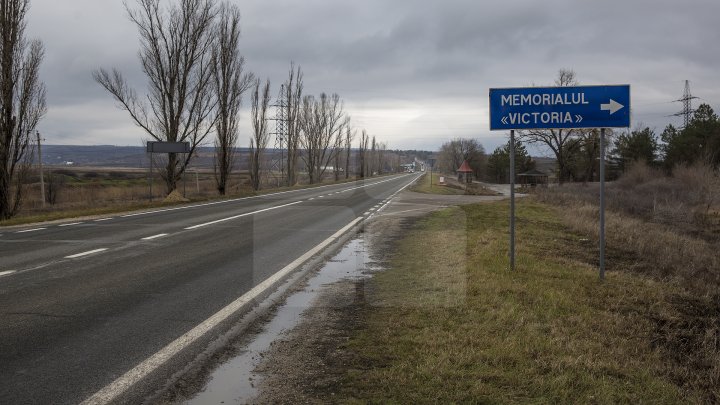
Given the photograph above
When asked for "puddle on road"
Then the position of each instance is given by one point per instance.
(234, 381)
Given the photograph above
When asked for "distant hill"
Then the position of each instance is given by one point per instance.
(114, 156)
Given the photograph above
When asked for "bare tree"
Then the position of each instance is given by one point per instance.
(557, 140)
(337, 151)
(22, 102)
(349, 136)
(230, 82)
(260, 138)
(322, 120)
(362, 153)
(293, 98)
(381, 148)
(453, 153)
(176, 45)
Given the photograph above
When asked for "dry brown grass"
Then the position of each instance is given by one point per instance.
(666, 228)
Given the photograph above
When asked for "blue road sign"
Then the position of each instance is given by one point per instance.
(560, 107)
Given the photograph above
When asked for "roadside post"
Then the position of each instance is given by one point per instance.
(512, 200)
(165, 147)
(545, 108)
(431, 162)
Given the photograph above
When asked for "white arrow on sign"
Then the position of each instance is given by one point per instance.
(613, 106)
(504, 120)
(578, 118)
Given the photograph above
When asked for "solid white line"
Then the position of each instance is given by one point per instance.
(156, 236)
(7, 273)
(74, 223)
(103, 219)
(241, 215)
(85, 253)
(31, 230)
(112, 391)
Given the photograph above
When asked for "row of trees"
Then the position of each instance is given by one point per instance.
(190, 54)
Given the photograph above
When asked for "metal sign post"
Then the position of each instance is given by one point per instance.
(602, 203)
(512, 200)
(541, 108)
(165, 147)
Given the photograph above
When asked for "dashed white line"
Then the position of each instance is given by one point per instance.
(7, 273)
(156, 236)
(74, 223)
(103, 219)
(31, 230)
(85, 253)
(241, 215)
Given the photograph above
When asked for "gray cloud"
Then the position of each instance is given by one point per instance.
(415, 73)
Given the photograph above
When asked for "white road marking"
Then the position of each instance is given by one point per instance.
(31, 230)
(155, 236)
(112, 391)
(74, 223)
(241, 215)
(103, 219)
(7, 273)
(85, 253)
(311, 199)
(253, 197)
(389, 199)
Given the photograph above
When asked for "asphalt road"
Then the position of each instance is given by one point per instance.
(83, 303)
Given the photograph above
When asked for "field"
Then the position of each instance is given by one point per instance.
(80, 191)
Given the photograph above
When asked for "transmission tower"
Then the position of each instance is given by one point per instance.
(686, 100)
(281, 129)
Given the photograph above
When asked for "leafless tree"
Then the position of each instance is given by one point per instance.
(381, 148)
(230, 82)
(22, 102)
(337, 151)
(176, 45)
(349, 136)
(362, 153)
(453, 153)
(322, 120)
(259, 141)
(557, 140)
(293, 98)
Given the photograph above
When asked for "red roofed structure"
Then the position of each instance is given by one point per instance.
(465, 173)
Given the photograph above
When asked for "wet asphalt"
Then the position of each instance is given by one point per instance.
(82, 304)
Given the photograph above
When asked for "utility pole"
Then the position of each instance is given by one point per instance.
(686, 100)
(42, 179)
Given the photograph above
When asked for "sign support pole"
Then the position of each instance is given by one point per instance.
(602, 204)
(512, 200)
(151, 175)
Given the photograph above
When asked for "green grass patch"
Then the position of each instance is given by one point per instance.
(423, 186)
(449, 323)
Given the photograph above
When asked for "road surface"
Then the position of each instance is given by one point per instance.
(82, 303)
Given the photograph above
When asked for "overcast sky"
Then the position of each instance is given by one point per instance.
(414, 73)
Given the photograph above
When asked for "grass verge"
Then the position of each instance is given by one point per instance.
(423, 186)
(448, 322)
